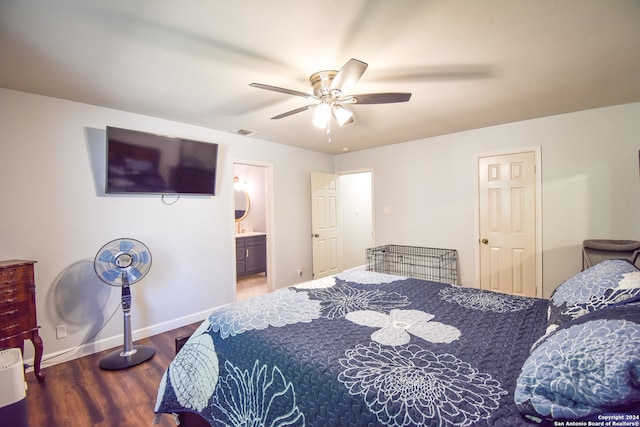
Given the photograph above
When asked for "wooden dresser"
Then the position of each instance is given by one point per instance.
(18, 320)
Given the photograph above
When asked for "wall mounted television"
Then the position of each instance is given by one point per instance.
(146, 163)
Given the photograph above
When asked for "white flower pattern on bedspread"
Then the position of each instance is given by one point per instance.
(409, 385)
(368, 277)
(478, 299)
(342, 299)
(279, 308)
(396, 326)
(256, 398)
(194, 372)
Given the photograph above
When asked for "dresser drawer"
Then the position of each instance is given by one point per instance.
(18, 274)
(14, 318)
(13, 292)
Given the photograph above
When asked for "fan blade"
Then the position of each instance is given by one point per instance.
(145, 257)
(377, 98)
(134, 275)
(111, 275)
(450, 72)
(126, 245)
(348, 75)
(282, 90)
(106, 256)
(292, 112)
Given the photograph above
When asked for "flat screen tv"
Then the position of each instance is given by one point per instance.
(146, 163)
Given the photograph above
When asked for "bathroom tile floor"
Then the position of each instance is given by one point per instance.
(251, 286)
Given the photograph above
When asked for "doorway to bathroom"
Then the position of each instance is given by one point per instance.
(252, 210)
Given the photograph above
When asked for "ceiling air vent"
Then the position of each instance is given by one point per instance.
(245, 132)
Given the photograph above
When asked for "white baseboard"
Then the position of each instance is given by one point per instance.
(51, 359)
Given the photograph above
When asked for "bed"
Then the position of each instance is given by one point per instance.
(369, 349)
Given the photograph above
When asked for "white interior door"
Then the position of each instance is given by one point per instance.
(325, 224)
(507, 223)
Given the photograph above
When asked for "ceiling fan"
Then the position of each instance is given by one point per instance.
(330, 90)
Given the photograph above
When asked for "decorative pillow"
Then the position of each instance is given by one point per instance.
(589, 366)
(606, 283)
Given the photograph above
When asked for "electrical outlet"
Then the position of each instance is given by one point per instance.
(299, 271)
(61, 331)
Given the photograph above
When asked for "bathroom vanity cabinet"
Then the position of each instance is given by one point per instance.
(251, 254)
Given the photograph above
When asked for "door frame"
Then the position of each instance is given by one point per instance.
(269, 220)
(537, 150)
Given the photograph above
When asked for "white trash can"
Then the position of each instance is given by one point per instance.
(13, 396)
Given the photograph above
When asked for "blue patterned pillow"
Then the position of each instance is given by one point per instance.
(606, 283)
(589, 366)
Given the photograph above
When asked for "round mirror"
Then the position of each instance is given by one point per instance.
(241, 204)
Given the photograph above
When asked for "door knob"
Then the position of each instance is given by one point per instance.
(485, 241)
(315, 235)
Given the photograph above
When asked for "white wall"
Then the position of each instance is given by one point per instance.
(590, 177)
(54, 211)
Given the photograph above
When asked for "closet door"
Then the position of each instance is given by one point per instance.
(507, 223)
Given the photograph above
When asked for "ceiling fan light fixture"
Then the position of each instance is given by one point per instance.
(319, 123)
(322, 115)
(342, 115)
(328, 88)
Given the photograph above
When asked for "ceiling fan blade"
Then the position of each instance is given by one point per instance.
(377, 98)
(292, 112)
(451, 72)
(348, 75)
(282, 90)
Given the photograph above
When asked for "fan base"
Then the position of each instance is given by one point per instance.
(115, 360)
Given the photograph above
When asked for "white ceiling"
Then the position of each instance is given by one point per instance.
(469, 64)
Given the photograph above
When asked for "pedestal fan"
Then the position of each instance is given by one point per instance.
(123, 262)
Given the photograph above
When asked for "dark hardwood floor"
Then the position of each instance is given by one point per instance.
(79, 394)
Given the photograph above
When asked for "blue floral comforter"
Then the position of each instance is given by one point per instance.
(358, 349)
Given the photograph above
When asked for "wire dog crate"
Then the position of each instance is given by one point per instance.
(437, 265)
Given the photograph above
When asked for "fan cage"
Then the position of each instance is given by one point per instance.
(110, 267)
(433, 264)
